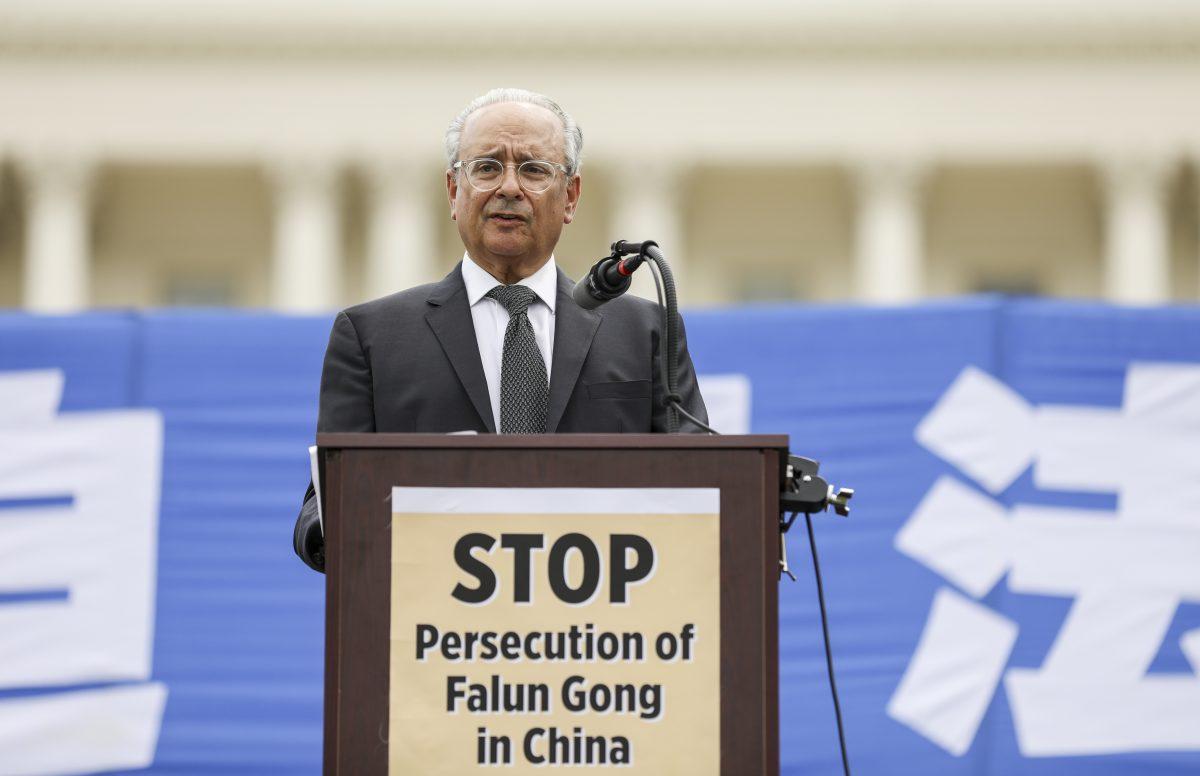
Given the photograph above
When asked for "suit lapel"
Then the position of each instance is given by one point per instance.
(574, 328)
(449, 316)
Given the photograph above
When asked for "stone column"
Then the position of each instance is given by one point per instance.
(647, 205)
(1137, 259)
(57, 253)
(306, 273)
(401, 234)
(889, 247)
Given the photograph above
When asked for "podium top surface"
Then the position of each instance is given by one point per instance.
(555, 441)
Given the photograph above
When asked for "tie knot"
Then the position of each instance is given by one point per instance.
(516, 299)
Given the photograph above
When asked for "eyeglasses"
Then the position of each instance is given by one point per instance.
(534, 175)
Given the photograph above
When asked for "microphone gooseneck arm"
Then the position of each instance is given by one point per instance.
(672, 400)
(637, 253)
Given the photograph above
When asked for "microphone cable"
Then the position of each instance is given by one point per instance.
(837, 706)
(689, 416)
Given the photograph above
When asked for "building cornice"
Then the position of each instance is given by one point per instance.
(362, 30)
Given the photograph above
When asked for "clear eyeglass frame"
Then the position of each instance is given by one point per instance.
(533, 175)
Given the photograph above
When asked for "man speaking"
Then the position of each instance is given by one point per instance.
(498, 345)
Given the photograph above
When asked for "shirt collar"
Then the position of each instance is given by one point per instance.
(478, 281)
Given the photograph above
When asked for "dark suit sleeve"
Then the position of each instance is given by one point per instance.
(685, 384)
(347, 404)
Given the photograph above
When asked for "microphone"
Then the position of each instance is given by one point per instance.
(610, 277)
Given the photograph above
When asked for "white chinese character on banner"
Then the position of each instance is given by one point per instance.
(80, 493)
(1127, 571)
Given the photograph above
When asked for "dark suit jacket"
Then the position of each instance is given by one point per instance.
(409, 362)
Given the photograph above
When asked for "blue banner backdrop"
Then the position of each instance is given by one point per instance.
(971, 396)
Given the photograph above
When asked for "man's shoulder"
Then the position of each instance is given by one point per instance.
(417, 296)
(410, 301)
(634, 309)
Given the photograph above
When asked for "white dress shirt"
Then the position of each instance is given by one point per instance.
(491, 319)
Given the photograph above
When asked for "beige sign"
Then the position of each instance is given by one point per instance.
(537, 628)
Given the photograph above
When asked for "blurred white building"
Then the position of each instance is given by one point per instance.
(288, 153)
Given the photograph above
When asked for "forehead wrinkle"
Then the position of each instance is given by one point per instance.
(512, 132)
(509, 146)
(501, 154)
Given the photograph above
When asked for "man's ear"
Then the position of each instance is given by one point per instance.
(452, 191)
(574, 187)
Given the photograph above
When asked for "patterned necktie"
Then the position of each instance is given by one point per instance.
(524, 389)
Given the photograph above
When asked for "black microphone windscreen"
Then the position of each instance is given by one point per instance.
(584, 297)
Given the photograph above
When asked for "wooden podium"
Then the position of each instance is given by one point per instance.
(361, 470)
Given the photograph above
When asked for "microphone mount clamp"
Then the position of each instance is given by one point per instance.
(806, 492)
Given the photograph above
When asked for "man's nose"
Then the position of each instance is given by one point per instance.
(510, 184)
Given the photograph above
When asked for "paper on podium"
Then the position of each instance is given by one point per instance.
(316, 480)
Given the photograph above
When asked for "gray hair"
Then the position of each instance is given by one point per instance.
(572, 134)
